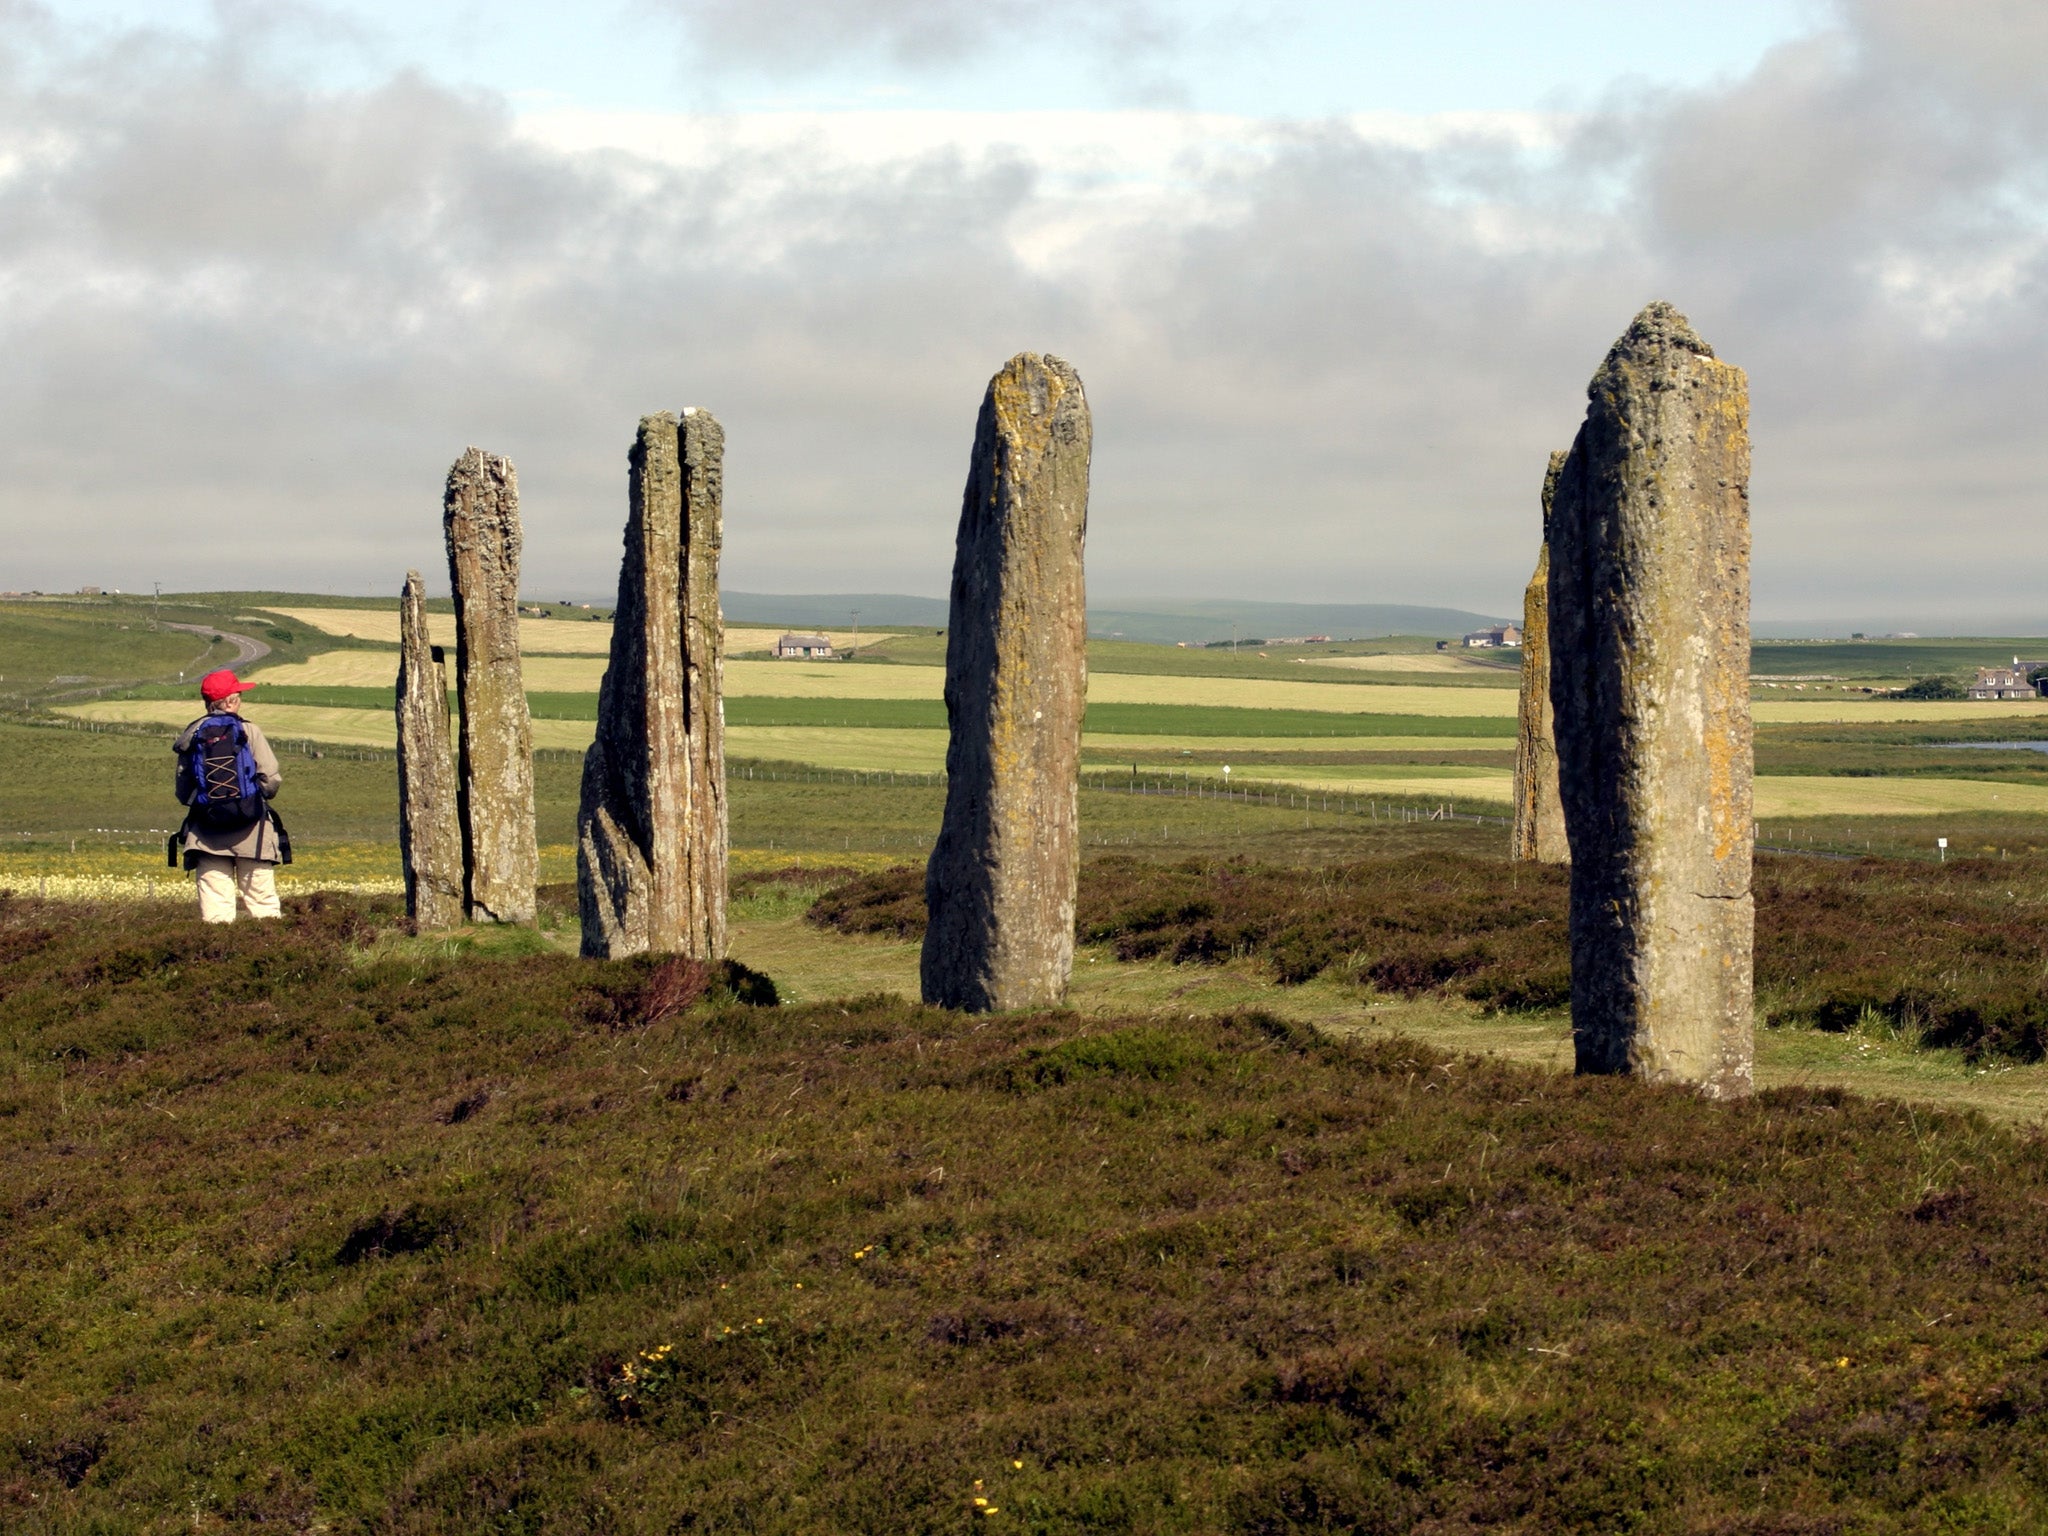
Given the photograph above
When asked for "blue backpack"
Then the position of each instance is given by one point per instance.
(222, 771)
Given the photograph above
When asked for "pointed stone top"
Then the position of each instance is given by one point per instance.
(1659, 327)
(412, 579)
(1550, 479)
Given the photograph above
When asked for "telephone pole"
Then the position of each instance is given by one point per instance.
(853, 649)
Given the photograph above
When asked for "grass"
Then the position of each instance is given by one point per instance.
(62, 648)
(576, 637)
(313, 1225)
(1163, 720)
(1949, 959)
(1889, 659)
(71, 792)
(1807, 795)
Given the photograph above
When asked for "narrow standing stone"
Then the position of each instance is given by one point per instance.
(651, 831)
(480, 516)
(999, 890)
(429, 826)
(1649, 615)
(1539, 815)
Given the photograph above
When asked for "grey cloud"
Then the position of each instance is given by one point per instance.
(781, 36)
(1333, 371)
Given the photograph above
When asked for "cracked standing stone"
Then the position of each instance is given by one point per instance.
(480, 516)
(1649, 628)
(651, 830)
(1539, 815)
(429, 828)
(999, 889)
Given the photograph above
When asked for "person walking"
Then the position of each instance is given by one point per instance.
(227, 773)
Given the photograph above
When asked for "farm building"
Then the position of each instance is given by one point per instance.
(805, 647)
(1500, 635)
(2006, 682)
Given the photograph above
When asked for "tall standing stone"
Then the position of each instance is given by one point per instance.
(999, 890)
(480, 516)
(651, 831)
(1649, 627)
(1539, 815)
(429, 822)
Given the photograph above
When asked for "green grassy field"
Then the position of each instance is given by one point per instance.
(1402, 737)
(1890, 660)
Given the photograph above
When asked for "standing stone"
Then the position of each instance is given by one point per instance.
(1649, 627)
(651, 831)
(999, 890)
(1539, 815)
(429, 825)
(480, 516)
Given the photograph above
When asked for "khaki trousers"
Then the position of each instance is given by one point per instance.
(222, 880)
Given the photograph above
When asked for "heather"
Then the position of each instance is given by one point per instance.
(1949, 955)
(325, 1226)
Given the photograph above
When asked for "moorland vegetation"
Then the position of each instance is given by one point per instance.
(319, 1224)
(333, 1225)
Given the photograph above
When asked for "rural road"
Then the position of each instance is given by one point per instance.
(247, 648)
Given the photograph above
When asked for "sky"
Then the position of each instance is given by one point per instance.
(1335, 276)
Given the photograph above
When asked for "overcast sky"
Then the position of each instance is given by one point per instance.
(1335, 274)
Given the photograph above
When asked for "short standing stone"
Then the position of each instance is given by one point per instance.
(651, 831)
(1649, 631)
(429, 826)
(480, 516)
(1539, 816)
(999, 889)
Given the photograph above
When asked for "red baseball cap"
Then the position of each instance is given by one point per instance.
(223, 684)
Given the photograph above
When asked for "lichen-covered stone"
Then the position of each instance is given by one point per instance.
(429, 823)
(1538, 833)
(1649, 648)
(480, 516)
(1000, 885)
(651, 831)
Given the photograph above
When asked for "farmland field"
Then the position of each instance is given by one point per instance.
(1406, 724)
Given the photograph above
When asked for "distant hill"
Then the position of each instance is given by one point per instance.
(1161, 622)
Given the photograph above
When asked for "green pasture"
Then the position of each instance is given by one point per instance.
(930, 714)
(1890, 660)
(1408, 738)
(63, 649)
(73, 795)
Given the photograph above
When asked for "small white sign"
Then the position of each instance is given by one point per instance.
(1941, 842)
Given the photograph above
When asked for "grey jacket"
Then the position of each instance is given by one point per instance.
(256, 842)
